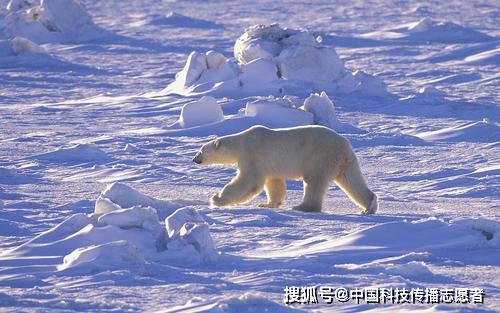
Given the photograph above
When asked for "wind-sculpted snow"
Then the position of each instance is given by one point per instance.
(204, 111)
(483, 131)
(456, 240)
(74, 154)
(115, 238)
(103, 210)
(205, 117)
(247, 303)
(427, 30)
(48, 21)
(272, 60)
(174, 19)
(19, 45)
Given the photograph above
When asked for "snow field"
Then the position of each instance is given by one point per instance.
(102, 209)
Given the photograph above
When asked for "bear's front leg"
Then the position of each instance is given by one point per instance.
(275, 190)
(217, 201)
(241, 189)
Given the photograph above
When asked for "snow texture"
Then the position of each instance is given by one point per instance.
(48, 21)
(103, 210)
(201, 112)
(276, 113)
(125, 238)
(323, 110)
(269, 59)
(186, 227)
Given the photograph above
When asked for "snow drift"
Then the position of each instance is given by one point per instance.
(457, 239)
(269, 59)
(116, 237)
(186, 229)
(205, 116)
(78, 153)
(19, 45)
(277, 112)
(200, 112)
(246, 303)
(175, 19)
(48, 21)
(481, 131)
(427, 31)
(426, 95)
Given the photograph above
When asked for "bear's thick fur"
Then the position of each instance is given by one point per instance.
(266, 158)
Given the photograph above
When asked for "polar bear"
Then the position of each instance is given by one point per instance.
(266, 158)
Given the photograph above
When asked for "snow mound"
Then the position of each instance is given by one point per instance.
(485, 57)
(19, 45)
(124, 238)
(273, 112)
(427, 30)
(456, 239)
(277, 113)
(489, 229)
(139, 217)
(62, 240)
(483, 131)
(269, 59)
(107, 256)
(323, 110)
(246, 303)
(297, 54)
(263, 69)
(310, 63)
(186, 227)
(198, 76)
(427, 95)
(119, 195)
(200, 112)
(129, 147)
(48, 21)
(74, 154)
(175, 19)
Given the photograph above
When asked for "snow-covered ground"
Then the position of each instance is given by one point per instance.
(102, 208)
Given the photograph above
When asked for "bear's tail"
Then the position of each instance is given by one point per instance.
(352, 182)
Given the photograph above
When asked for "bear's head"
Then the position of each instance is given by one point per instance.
(215, 152)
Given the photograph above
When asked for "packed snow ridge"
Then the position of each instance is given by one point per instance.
(124, 232)
(19, 45)
(48, 21)
(275, 112)
(428, 31)
(273, 60)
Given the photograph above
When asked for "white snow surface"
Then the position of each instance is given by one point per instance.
(48, 20)
(270, 59)
(185, 227)
(323, 110)
(200, 112)
(103, 210)
(125, 238)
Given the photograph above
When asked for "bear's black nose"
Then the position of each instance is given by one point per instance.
(197, 158)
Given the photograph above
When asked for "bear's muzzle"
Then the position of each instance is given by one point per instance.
(197, 158)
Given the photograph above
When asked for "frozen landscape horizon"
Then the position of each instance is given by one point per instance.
(104, 104)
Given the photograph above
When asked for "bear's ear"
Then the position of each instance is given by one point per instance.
(216, 143)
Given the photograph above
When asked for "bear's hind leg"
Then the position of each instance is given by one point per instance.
(275, 190)
(314, 192)
(241, 189)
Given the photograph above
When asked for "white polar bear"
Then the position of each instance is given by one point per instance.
(267, 157)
